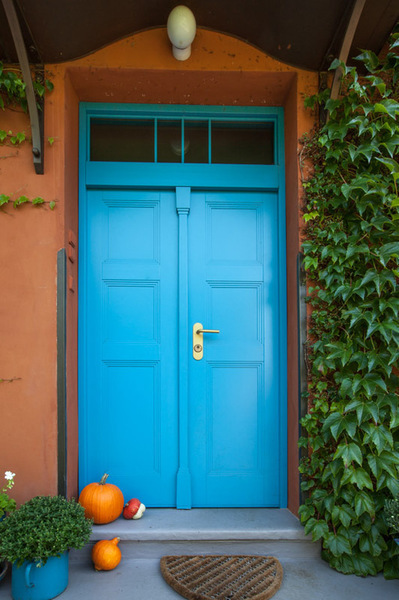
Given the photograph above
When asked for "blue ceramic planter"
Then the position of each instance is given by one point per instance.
(30, 582)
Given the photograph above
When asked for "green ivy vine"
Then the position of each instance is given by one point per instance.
(13, 96)
(351, 254)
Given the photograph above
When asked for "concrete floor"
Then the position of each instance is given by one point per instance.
(140, 579)
(270, 532)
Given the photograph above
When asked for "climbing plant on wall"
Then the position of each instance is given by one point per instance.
(13, 96)
(351, 253)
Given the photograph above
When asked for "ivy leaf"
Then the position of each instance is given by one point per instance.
(388, 250)
(364, 504)
(391, 145)
(375, 464)
(369, 58)
(337, 544)
(318, 529)
(343, 514)
(364, 565)
(361, 478)
(39, 88)
(334, 423)
(385, 463)
(392, 165)
(348, 453)
(393, 486)
(20, 137)
(20, 200)
(379, 436)
(387, 106)
(369, 276)
(367, 150)
(371, 381)
(306, 511)
(346, 387)
(307, 485)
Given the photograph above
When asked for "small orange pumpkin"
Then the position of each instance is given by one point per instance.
(103, 502)
(106, 555)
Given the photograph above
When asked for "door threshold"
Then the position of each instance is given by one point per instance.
(159, 524)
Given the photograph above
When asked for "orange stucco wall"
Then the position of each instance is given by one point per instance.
(141, 69)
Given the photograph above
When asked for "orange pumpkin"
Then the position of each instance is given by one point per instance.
(103, 502)
(106, 555)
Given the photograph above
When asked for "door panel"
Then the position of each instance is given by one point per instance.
(131, 311)
(130, 395)
(234, 398)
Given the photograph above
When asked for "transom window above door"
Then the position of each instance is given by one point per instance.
(182, 140)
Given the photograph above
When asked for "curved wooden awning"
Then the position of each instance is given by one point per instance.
(306, 33)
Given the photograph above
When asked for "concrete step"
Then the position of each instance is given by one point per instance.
(161, 532)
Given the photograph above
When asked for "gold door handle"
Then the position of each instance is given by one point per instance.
(198, 342)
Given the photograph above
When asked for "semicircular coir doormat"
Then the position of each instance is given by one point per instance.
(223, 577)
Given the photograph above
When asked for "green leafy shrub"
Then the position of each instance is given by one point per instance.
(42, 527)
(351, 253)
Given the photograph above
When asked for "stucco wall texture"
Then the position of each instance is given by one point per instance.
(222, 70)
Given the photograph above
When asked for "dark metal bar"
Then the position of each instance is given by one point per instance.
(61, 373)
(35, 120)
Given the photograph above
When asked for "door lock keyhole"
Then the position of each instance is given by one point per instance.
(197, 348)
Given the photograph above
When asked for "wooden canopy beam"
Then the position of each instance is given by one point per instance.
(346, 45)
(36, 117)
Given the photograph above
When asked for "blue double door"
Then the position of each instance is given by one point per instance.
(170, 429)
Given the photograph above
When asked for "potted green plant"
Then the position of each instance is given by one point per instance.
(391, 512)
(7, 505)
(36, 539)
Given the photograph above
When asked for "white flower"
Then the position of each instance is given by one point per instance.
(9, 476)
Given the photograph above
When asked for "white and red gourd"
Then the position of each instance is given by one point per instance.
(134, 509)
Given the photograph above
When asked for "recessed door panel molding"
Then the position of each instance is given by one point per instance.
(125, 325)
(133, 229)
(120, 380)
(228, 301)
(234, 443)
(234, 232)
